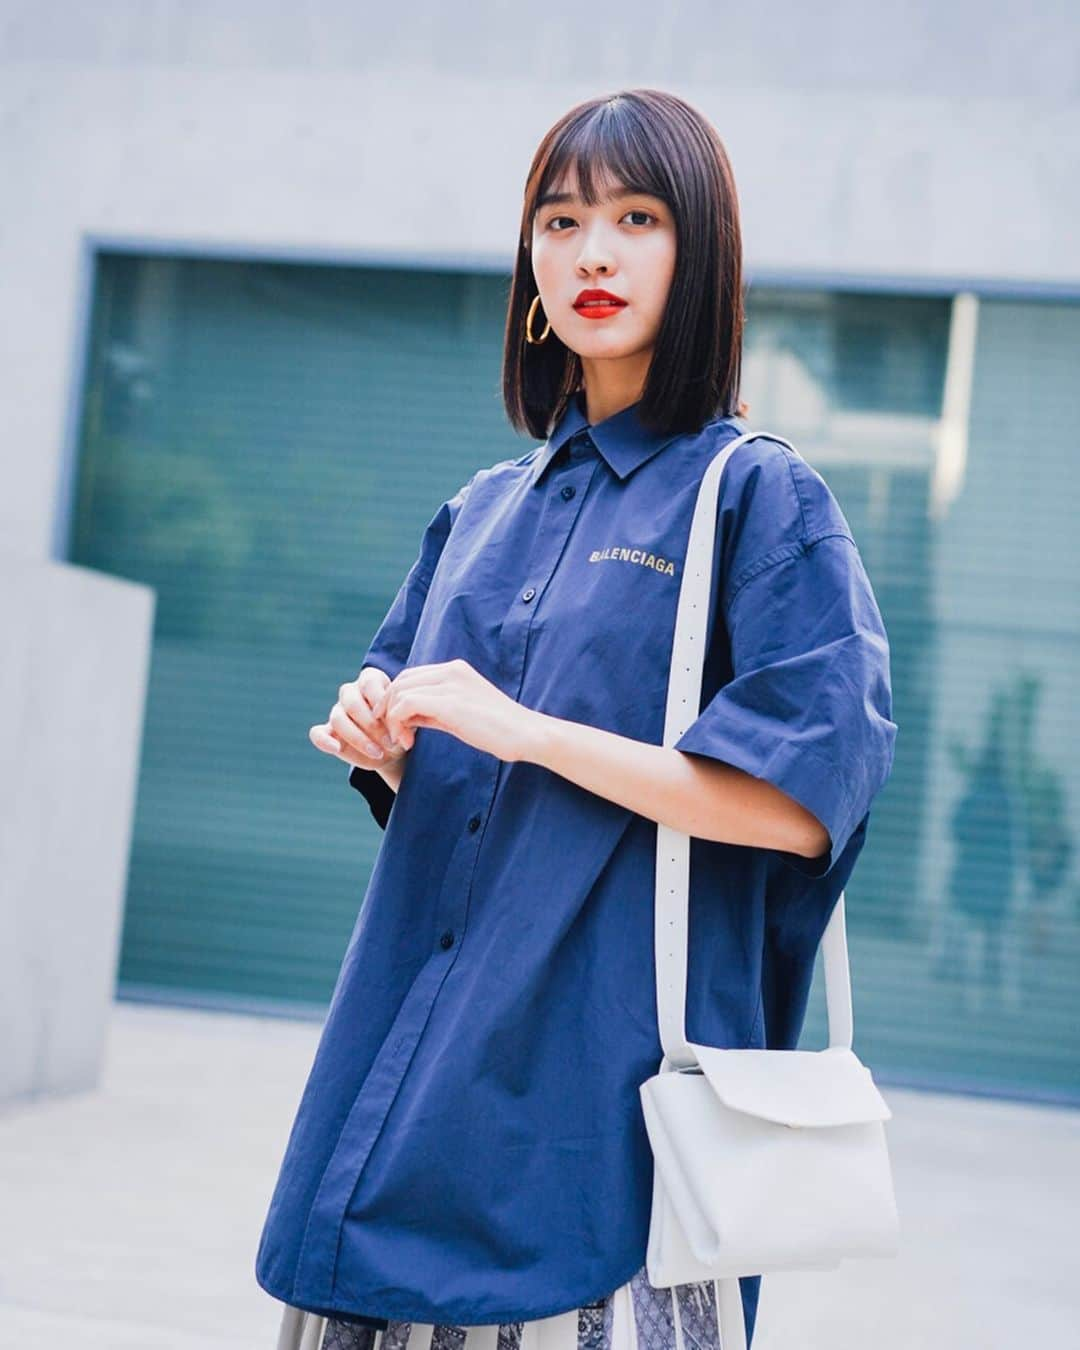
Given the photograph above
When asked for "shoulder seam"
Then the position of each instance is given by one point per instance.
(762, 564)
(782, 553)
(788, 456)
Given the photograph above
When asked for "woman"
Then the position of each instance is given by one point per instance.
(469, 1157)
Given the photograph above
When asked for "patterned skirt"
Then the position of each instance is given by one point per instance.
(636, 1316)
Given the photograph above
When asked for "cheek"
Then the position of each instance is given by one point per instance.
(662, 272)
(543, 265)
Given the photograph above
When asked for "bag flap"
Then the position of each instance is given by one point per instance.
(794, 1087)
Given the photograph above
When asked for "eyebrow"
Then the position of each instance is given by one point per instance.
(549, 198)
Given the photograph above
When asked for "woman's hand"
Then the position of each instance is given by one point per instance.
(452, 696)
(354, 732)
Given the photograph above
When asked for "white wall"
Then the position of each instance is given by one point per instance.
(922, 143)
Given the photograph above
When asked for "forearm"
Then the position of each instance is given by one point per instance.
(689, 793)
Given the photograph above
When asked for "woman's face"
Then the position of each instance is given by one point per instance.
(625, 246)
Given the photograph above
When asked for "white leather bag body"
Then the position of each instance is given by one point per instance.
(765, 1160)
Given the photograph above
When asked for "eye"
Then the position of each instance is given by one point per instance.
(553, 223)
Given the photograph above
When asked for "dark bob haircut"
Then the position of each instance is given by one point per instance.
(653, 142)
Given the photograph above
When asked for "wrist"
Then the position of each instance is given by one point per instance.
(538, 737)
(391, 772)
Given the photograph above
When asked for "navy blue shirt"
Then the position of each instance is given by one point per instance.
(470, 1147)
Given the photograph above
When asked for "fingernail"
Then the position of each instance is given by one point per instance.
(375, 752)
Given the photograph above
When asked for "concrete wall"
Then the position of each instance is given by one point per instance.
(72, 686)
(933, 144)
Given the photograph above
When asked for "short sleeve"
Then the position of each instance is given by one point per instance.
(389, 648)
(809, 705)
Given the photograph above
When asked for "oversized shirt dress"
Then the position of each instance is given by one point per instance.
(469, 1147)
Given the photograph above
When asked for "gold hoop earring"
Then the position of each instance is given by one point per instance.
(528, 323)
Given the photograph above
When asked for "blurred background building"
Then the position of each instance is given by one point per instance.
(255, 266)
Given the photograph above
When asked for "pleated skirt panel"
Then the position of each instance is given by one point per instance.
(636, 1316)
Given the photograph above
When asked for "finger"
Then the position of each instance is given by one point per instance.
(415, 682)
(346, 729)
(321, 738)
(357, 704)
(371, 684)
(380, 709)
(373, 676)
(413, 708)
(413, 677)
(360, 693)
(378, 705)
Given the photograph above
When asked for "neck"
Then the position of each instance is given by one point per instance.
(612, 385)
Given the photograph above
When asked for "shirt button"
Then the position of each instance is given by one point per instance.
(529, 593)
(567, 492)
(447, 939)
(474, 824)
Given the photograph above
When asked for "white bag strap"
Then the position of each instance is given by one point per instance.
(672, 846)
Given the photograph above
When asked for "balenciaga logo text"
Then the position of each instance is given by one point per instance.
(634, 555)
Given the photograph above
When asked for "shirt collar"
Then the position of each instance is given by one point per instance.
(621, 439)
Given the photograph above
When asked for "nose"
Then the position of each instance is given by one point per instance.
(595, 255)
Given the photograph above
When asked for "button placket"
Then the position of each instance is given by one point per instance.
(344, 1171)
(552, 534)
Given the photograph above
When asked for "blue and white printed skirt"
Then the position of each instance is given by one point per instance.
(637, 1316)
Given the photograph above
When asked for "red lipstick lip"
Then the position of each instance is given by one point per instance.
(598, 295)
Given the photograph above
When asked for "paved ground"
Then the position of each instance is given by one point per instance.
(129, 1216)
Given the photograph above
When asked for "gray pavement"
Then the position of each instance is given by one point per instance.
(131, 1213)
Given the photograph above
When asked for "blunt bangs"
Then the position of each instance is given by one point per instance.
(652, 142)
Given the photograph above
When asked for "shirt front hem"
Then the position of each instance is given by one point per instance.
(406, 1312)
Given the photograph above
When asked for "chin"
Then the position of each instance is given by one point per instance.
(609, 350)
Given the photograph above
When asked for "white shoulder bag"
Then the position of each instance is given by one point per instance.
(765, 1160)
